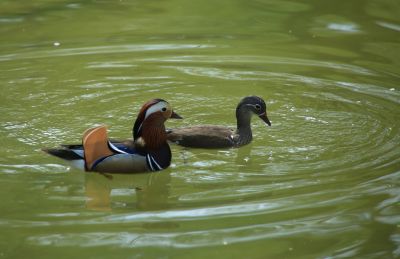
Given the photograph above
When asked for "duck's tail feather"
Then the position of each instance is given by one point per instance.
(71, 146)
(63, 153)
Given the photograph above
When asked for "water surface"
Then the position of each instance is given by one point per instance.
(322, 182)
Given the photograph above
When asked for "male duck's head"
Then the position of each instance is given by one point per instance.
(255, 105)
(149, 123)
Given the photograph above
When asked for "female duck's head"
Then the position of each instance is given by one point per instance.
(252, 105)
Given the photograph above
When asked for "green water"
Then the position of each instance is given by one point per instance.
(322, 182)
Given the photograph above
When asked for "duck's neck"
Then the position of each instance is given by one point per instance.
(243, 131)
(153, 136)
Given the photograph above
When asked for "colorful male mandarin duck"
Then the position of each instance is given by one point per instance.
(149, 150)
(209, 136)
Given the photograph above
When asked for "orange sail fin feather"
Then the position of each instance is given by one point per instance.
(95, 146)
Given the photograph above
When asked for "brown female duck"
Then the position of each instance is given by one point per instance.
(210, 136)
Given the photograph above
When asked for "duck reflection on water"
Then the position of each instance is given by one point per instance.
(149, 191)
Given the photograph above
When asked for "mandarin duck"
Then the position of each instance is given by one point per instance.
(148, 151)
(210, 136)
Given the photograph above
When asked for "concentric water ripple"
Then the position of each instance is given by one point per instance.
(332, 144)
(322, 182)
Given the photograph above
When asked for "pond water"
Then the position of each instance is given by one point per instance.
(322, 182)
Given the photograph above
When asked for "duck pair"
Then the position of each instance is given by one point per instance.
(149, 149)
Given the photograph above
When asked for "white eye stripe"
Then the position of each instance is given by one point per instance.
(256, 106)
(155, 108)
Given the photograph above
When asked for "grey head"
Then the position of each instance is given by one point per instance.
(248, 106)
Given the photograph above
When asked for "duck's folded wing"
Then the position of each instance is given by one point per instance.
(122, 163)
(206, 136)
(98, 153)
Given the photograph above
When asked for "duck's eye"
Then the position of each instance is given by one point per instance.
(164, 109)
(258, 107)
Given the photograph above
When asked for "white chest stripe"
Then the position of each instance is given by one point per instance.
(154, 166)
(149, 163)
(155, 162)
